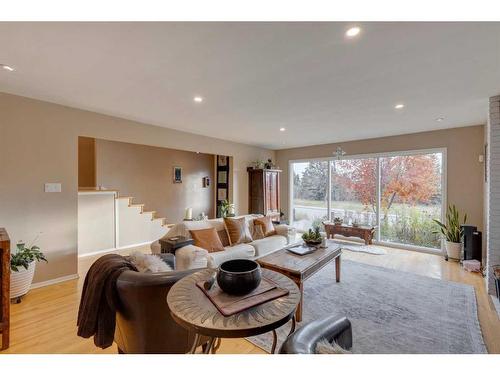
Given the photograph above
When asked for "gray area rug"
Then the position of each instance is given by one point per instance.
(361, 248)
(392, 311)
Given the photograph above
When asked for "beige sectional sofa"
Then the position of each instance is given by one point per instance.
(192, 256)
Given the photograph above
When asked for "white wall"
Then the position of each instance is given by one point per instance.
(96, 221)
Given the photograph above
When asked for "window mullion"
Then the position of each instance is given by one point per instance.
(378, 189)
(329, 193)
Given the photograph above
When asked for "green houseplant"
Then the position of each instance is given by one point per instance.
(22, 269)
(312, 237)
(226, 208)
(452, 232)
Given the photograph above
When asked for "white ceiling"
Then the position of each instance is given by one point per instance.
(258, 77)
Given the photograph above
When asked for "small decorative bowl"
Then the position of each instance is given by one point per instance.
(239, 276)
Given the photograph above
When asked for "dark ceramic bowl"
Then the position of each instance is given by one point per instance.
(239, 276)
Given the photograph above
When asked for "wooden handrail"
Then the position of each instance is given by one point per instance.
(4, 287)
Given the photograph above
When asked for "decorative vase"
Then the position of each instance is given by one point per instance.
(20, 281)
(453, 250)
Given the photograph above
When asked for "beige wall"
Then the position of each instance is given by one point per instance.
(464, 171)
(39, 143)
(146, 173)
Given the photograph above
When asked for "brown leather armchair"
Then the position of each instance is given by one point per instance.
(304, 340)
(143, 321)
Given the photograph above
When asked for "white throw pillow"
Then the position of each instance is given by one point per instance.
(326, 347)
(148, 263)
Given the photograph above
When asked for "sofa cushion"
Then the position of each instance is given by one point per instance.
(207, 239)
(266, 224)
(182, 229)
(268, 245)
(282, 229)
(241, 251)
(237, 230)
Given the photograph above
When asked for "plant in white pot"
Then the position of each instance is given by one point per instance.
(22, 269)
(452, 232)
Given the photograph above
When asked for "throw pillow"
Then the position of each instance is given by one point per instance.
(224, 237)
(326, 347)
(207, 239)
(266, 224)
(257, 233)
(148, 263)
(237, 230)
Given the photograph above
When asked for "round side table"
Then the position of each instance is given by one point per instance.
(192, 309)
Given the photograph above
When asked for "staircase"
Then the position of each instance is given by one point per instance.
(136, 226)
(107, 222)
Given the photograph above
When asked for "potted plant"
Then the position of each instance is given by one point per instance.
(226, 208)
(22, 266)
(452, 232)
(337, 221)
(312, 238)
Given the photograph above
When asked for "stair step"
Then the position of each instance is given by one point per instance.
(136, 205)
(129, 199)
(162, 219)
(149, 212)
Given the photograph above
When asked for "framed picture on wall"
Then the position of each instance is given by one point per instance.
(222, 161)
(221, 194)
(177, 175)
(222, 177)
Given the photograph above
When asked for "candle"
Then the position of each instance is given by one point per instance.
(189, 214)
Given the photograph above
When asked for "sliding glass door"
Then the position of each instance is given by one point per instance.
(411, 196)
(354, 190)
(309, 194)
(399, 193)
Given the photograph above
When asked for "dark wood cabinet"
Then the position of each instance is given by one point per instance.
(264, 192)
(4, 288)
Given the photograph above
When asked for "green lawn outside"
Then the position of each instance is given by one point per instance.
(357, 206)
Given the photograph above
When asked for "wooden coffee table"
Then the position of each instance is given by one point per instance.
(301, 267)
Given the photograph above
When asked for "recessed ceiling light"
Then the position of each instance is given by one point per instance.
(198, 99)
(352, 32)
(399, 106)
(282, 129)
(439, 119)
(7, 67)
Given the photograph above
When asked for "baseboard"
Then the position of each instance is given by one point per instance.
(54, 281)
(106, 251)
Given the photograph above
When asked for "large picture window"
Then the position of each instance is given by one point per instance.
(310, 194)
(399, 193)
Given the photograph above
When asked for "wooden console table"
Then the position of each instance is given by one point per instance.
(363, 232)
(4, 287)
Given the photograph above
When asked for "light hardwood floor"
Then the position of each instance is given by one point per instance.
(45, 321)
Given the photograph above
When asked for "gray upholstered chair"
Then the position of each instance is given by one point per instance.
(304, 340)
